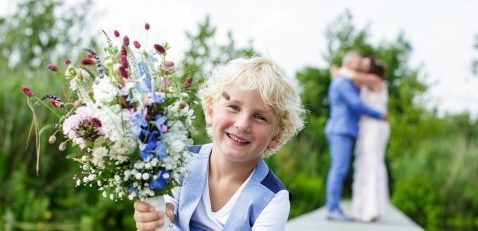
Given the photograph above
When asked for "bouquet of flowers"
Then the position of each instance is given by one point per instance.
(129, 116)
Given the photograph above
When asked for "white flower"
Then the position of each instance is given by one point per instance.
(98, 155)
(138, 176)
(91, 177)
(145, 176)
(104, 91)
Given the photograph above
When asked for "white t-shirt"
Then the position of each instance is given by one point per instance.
(273, 217)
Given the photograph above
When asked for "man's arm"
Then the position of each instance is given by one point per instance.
(349, 94)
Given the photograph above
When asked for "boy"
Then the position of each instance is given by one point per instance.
(251, 110)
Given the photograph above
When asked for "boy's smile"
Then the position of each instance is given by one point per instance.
(242, 127)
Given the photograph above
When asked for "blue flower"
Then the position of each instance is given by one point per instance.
(159, 122)
(151, 56)
(143, 68)
(133, 189)
(161, 181)
(160, 150)
(157, 98)
(146, 149)
(139, 120)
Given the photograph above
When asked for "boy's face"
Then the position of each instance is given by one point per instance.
(242, 127)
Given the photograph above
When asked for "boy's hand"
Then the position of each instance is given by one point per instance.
(148, 219)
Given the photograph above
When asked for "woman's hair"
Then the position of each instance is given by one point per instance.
(277, 92)
(377, 67)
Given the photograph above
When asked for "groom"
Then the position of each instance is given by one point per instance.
(341, 130)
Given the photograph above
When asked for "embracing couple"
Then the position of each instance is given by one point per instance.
(358, 111)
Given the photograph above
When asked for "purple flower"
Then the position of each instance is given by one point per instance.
(52, 67)
(161, 180)
(87, 61)
(136, 44)
(123, 72)
(117, 34)
(124, 61)
(126, 40)
(27, 91)
(146, 26)
(160, 49)
(188, 83)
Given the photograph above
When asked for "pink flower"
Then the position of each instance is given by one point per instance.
(123, 72)
(87, 61)
(52, 139)
(146, 26)
(90, 56)
(67, 62)
(27, 91)
(117, 34)
(167, 66)
(52, 67)
(160, 49)
(126, 40)
(188, 83)
(136, 44)
(164, 128)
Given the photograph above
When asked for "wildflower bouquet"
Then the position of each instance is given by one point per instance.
(129, 117)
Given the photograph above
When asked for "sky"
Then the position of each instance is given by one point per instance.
(442, 33)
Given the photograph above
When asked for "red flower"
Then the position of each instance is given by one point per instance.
(90, 56)
(160, 49)
(124, 61)
(136, 44)
(188, 83)
(146, 26)
(67, 62)
(27, 91)
(52, 67)
(55, 104)
(126, 40)
(117, 34)
(87, 61)
(123, 72)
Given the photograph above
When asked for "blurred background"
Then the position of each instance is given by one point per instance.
(430, 49)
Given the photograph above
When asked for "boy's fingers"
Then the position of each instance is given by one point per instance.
(143, 206)
(149, 225)
(145, 217)
(170, 213)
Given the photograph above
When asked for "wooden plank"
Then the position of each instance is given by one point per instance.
(316, 220)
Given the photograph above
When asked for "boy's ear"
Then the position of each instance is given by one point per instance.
(209, 115)
(275, 139)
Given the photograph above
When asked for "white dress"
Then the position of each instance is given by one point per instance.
(370, 185)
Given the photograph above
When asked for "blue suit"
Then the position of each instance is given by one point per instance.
(256, 195)
(341, 130)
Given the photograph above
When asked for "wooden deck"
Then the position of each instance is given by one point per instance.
(316, 220)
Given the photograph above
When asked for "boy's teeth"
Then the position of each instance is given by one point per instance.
(237, 139)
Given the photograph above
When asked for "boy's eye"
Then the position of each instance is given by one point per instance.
(233, 107)
(260, 117)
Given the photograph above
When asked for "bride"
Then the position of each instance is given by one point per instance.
(370, 185)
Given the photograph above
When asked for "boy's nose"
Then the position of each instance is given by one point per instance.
(243, 124)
